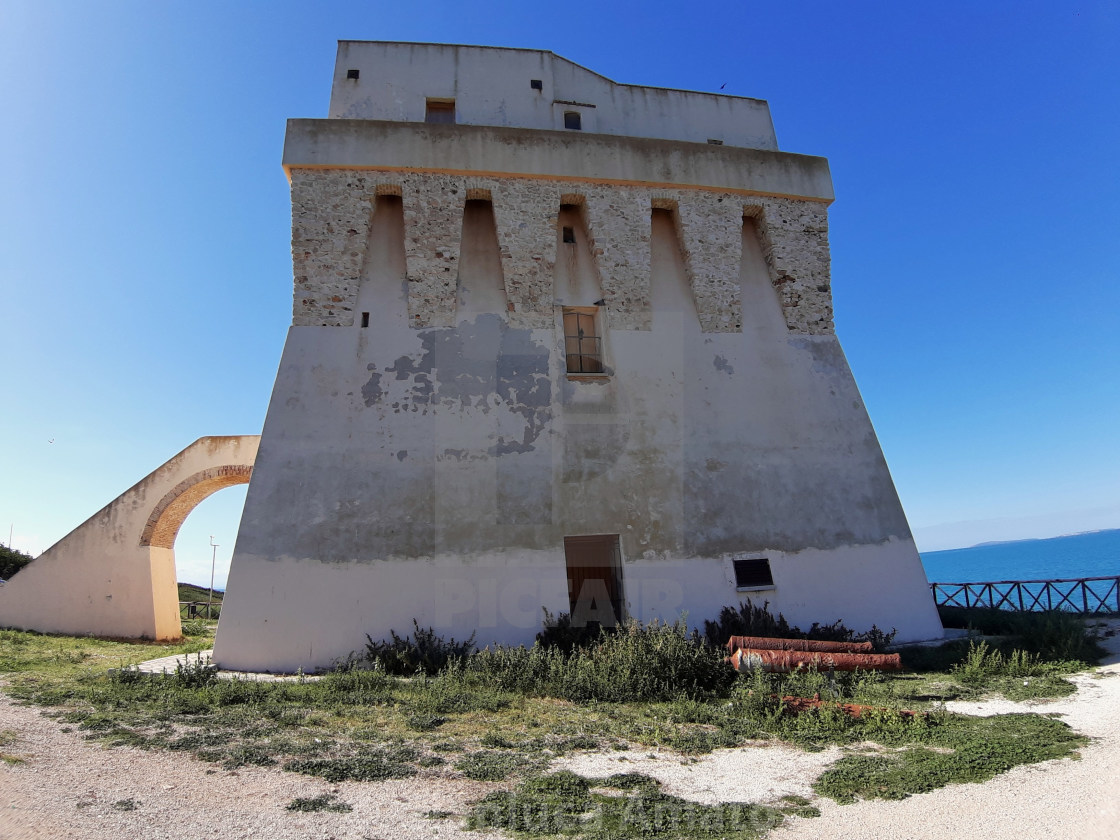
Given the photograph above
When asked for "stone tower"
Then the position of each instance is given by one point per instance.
(556, 343)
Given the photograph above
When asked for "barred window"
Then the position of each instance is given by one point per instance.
(582, 344)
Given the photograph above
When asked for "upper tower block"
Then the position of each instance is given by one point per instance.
(534, 89)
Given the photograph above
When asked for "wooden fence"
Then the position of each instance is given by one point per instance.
(199, 609)
(1079, 595)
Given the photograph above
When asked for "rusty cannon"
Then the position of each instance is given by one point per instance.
(780, 659)
(767, 643)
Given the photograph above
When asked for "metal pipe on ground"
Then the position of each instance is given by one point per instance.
(768, 643)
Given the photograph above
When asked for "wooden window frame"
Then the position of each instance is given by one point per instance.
(583, 326)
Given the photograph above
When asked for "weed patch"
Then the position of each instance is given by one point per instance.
(323, 802)
(962, 749)
(570, 805)
(376, 765)
(492, 765)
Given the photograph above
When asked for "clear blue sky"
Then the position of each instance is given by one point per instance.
(144, 228)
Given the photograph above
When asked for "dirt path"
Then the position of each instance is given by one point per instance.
(67, 787)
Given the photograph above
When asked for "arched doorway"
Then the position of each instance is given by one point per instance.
(163, 527)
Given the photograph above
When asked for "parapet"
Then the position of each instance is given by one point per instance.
(530, 89)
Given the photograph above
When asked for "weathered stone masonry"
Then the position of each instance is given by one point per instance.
(332, 210)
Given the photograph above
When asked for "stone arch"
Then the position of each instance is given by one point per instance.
(114, 575)
(172, 510)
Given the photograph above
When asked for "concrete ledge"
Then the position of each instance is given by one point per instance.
(169, 665)
(560, 155)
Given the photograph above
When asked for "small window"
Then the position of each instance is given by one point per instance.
(583, 348)
(536, 84)
(440, 111)
(365, 319)
(569, 235)
(352, 73)
(572, 120)
(753, 573)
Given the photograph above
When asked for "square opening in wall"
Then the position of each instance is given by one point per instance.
(753, 573)
(352, 73)
(440, 111)
(569, 235)
(365, 319)
(572, 120)
(536, 84)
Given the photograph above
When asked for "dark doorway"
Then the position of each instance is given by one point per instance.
(594, 580)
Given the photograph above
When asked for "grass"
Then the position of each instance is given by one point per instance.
(503, 715)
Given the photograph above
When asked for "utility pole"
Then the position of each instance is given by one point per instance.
(213, 559)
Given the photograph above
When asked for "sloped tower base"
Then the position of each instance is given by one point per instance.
(530, 389)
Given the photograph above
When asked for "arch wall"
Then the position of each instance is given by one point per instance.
(114, 575)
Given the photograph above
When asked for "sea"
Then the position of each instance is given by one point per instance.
(1092, 554)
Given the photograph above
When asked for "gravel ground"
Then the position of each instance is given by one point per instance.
(67, 787)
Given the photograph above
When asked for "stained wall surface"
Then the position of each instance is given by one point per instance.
(114, 575)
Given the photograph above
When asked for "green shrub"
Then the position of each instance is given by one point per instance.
(559, 632)
(426, 652)
(749, 620)
(1051, 635)
(190, 674)
(11, 561)
(648, 662)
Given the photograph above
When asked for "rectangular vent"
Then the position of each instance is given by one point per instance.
(536, 84)
(352, 73)
(753, 573)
